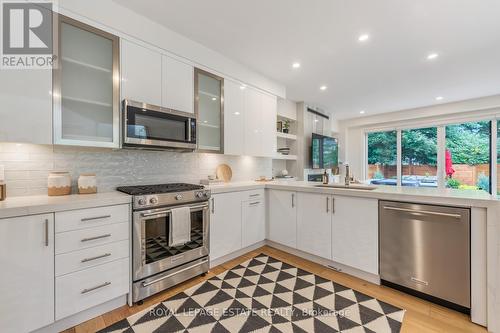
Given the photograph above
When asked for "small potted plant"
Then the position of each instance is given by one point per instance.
(286, 126)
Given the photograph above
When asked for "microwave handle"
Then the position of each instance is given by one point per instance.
(189, 130)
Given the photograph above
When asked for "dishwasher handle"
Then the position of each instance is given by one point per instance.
(426, 212)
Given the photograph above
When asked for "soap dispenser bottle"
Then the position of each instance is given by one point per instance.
(325, 177)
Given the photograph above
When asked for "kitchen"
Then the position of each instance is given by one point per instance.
(154, 166)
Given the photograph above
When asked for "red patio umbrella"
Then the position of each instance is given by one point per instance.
(449, 164)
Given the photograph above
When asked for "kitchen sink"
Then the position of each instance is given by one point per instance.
(349, 187)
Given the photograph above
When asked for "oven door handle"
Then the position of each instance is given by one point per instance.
(166, 211)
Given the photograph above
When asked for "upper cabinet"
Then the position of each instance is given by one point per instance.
(177, 85)
(209, 111)
(86, 86)
(234, 118)
(141, 71)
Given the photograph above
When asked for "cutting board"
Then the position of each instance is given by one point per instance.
(224, 172)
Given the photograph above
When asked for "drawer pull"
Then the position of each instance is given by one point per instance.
(85, 219)
(96, 257)
(96, 237)
(254, 203)
(254, 195)
(105, 284)
(414, 279)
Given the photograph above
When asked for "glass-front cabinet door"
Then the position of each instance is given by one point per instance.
(86, 85)
(209, 108)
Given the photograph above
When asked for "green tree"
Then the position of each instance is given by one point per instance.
(419, 146)
(382, 148)
(469, 143)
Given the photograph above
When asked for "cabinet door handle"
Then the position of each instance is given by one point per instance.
(293, 200)
(327, 204)
(254, 195)
(84, 291)
(96, 257)
(254, 203)
(333, 205)
(46, 232)
(86, 219)
(213, 205)
(96, 237)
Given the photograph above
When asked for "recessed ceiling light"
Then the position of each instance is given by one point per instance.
(323, 87)
(237, 113)
(214, 98)
(242, 87)
(362, 112)
(363, 37)
(439, 98)
(205, 121)
(316, 120)
(432, 56)
(296, 65)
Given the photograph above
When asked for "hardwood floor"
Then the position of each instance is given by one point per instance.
(421, 316)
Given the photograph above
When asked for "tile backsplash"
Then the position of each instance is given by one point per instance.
(27, 166)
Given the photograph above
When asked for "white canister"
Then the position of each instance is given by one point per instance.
(59, 183)
(87, 183)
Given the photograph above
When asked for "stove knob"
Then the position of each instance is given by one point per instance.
(178, 197)
(153, 201)
(141, 201)
(199, 195)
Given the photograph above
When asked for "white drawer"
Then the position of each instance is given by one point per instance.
(252, 195)
(86, 238)
(84, 289)
(91, 217)
(94, 256)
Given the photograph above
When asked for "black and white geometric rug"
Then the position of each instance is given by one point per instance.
(265, 295)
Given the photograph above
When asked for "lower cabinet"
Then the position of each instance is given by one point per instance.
(355, 233)
(225, 224)
(314, 224)
(27, 277)
(282, 217)
(253, 221)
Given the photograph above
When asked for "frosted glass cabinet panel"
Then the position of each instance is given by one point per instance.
(86, 86)
(209, 108)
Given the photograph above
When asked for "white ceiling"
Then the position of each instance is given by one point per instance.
(389, 72)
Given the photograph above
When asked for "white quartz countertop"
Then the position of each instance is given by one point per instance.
(40, 204)
(467, 198)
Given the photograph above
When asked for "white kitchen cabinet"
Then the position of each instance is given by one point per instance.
(282, 217)
(268, 125)
(26, 112)
(177, 85)
(253, 122)
(234, 118)
(225, 224)
(141, 72)
(253, 221)
(287, 109)
(27, 278)
(86, 88)
(355, 233)
(314, 224)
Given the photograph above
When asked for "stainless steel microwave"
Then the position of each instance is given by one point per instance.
(153, 127)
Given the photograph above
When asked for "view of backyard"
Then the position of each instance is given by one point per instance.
(467, 157)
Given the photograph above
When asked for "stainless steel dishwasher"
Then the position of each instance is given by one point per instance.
(425, 251)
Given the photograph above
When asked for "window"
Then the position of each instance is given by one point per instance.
(382, 158)
(467, 164)
(419, 157)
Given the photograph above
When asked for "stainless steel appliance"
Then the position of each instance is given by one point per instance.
(425, 251)
(155, 127)
(157, 266)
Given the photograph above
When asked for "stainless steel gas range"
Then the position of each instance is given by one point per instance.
(157, 266)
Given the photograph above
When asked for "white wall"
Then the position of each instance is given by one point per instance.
(352, 131)
(125, 23)
(27, 166)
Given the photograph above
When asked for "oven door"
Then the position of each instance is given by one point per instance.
(149, 125)
(151, 253)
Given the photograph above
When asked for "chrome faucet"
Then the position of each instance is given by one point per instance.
(347, 177)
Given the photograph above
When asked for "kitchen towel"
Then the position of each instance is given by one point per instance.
(180, 226)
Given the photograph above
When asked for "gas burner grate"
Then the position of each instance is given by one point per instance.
(160, 188)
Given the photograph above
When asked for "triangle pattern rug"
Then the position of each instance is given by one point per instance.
(265, 295)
